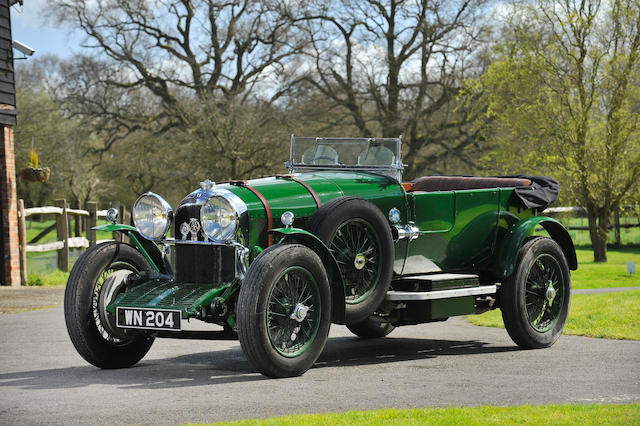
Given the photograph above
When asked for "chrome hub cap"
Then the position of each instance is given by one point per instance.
(551, 293)
(359, 261)
(299, 313)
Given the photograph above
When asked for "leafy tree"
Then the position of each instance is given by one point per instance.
(563, 96)
(199, 71)
(396, 67)
(59, 141)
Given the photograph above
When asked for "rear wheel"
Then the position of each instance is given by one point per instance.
(96, 279)
(359, 237)
(535, 298)
(284, 311)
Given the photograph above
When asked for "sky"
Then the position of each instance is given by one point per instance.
(29, 27)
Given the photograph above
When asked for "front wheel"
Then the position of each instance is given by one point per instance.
(96, 279)
(535, 298)
(284, 311)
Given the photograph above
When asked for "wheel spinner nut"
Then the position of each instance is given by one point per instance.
(551, 293)
(299, 312)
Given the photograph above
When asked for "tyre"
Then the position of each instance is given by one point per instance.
(535, 298)
(284, 310)
(95, 280)
(371, 328)
(359, 236)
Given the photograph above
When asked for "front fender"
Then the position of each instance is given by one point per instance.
(300, 236)
(147, 248)
(510, 245)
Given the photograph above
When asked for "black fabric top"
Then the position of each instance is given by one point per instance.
(540, 194)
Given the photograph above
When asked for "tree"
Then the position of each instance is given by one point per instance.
(564, 95)
(59, 141)
(186, 68)
(396, 67)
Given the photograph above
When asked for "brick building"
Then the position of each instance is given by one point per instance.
(9, 248)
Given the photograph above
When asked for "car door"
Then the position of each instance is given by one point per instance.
(457, 230)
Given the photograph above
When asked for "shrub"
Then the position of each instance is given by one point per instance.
(35, 280)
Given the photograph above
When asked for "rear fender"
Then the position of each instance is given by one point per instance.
(147, 248)
(510, 245)
(300, 236)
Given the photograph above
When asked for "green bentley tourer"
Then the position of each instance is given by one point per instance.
(340, 238)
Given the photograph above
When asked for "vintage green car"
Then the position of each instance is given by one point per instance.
(340, 238)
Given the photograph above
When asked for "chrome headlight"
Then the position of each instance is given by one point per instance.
(219, 219)
(152, 216)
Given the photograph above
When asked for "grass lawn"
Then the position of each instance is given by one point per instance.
(56, 278)
(606, 275)
(607, 315)
(531, 415)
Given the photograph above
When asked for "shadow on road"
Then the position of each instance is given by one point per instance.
(230, 366)
(350, 351)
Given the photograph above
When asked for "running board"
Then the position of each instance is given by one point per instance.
(440, 294)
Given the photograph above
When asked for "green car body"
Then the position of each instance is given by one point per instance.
(471, 237)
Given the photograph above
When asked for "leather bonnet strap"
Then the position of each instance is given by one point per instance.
(305, 185)
(264, 202)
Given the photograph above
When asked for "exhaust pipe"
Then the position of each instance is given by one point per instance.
(408, 231)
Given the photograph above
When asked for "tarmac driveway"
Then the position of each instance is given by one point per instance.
(43, 379)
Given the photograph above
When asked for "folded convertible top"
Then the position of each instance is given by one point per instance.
(540, 194)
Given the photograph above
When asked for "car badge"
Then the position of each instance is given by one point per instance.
(194, 227)
(184, 230)
(208, 185)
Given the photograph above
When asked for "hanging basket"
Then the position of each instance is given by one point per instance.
(35, 174)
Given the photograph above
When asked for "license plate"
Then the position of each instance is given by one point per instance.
(148, 319)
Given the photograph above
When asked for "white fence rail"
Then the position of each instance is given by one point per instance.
(64, 240)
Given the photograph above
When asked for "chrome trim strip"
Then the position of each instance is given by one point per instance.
(441, 294)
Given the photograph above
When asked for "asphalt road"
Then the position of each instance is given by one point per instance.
(43, 380)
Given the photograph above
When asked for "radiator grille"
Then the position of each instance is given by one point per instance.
(197, 263)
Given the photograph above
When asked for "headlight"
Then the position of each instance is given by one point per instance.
(219, 219)
(152, 216)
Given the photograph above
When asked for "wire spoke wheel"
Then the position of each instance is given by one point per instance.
(97, 301)
(544, 293)
(357, 250)
(359, 237)
(293, 308)
(96, 280)
(284, 310)
(535, 298)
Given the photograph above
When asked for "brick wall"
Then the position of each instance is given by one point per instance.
(9, 204)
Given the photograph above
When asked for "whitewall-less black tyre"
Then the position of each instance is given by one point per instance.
(85, 313)
(535, 299)
(284, 310)
(359, 236)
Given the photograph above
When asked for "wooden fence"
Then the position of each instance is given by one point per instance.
(64, 240)
(615, 225)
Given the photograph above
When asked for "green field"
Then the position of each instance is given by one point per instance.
(607, 315)
(606, 275)
(612, 414)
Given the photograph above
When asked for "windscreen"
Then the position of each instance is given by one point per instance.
(337, 152)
